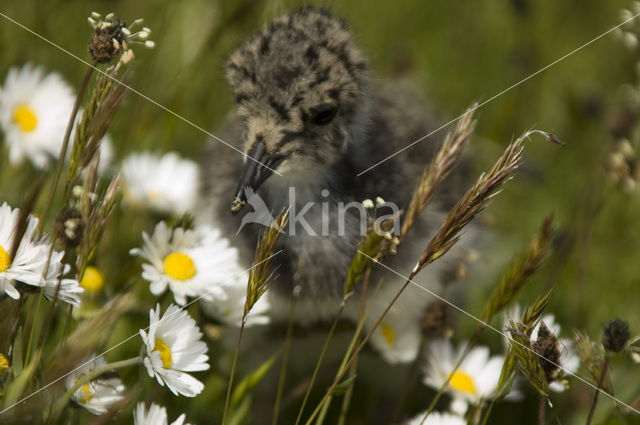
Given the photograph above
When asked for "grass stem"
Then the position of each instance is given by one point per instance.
(233, 370)
(594, 402)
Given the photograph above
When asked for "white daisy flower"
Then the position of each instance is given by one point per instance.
(70, 289)
(229, 310)
(569, 359)
(31, 256)
(398, 336)
(164, 183)
(34, 111)
(173, 348)
(157, 415)
(438, 418)
(192, 263)
(100, 393)
(476, 379)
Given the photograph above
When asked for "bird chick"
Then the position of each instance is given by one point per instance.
(309, 118)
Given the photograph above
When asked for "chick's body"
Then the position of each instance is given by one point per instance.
(304, 93)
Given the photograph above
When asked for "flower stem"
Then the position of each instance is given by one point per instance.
(285, 359)
(364, 311)
(542, 410)
(52, 306)
(88, 378)
(233, 369)
(603, 373)
(346, 362)
(346, 400)
(319, 362)
(65, 146)
(32, 332)
(488, 412)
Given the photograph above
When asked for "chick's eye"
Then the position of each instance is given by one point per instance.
(324, 114)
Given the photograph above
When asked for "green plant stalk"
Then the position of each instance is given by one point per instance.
(352, 343)
(65, 146)
(88, 378)
(285, 360)
(364, 311)
(52, 307)
(320, 359)
(348, 359)
(488, 412)
(542, 411)
(14, 330)
(594, 402)
(33, 326)
(346, 400)
(233, 369)
(411, 380)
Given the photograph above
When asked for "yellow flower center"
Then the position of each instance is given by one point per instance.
(4, 363)
(86, 390)
(462, 382)
(155, 195)
(165, 352)
(5, 260)
(388, 334)
(179, 266)
(92, 280)
(25, 118)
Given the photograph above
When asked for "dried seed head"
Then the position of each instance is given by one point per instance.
(107, 39)
(69, 227)
(548, 347)
(436, 320)
(112, 37)
(615, 336)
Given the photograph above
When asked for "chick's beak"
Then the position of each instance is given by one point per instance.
(256, 169)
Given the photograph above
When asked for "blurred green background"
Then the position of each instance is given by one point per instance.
(454, 53)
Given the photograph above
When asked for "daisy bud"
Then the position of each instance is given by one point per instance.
(92, 280)
(615, 336)
(69, 227)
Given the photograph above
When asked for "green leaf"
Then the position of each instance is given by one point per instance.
(241, 414)
(18, 355)
(17, 387)
(251, 380)
(343, 386)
